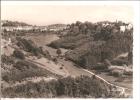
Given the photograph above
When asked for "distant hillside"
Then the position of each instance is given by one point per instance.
(56, 25)
(14, 23)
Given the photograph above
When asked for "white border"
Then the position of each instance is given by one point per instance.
(136, 52)
(68, 2)
(136, 23)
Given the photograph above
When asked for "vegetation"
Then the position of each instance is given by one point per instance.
(70, 41)
(82, 86)
(93, 43)
(30, 46)
(119, 62)
(23, 69)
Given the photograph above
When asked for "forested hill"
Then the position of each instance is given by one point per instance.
(13, 23)
(93, 43)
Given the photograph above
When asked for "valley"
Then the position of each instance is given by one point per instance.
(83, 53)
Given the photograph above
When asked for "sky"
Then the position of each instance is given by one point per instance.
(66, 14)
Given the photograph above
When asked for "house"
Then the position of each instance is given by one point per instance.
(18, 28)
(126, 26)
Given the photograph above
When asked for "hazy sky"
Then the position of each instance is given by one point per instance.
(51, 14)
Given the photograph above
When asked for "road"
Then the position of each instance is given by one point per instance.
(123, 89)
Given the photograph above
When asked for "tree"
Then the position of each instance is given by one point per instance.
(130, 57)
(55, 60)
(59, 52)
(18, 54)
(107, 62)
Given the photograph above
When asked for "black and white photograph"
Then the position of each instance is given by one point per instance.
(67, 50)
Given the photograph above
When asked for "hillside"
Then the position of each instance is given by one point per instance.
(93, 43)
(92, 60)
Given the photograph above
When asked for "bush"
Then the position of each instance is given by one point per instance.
(119, 62)
(7, 59)
(117, 73)
(82, 86)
